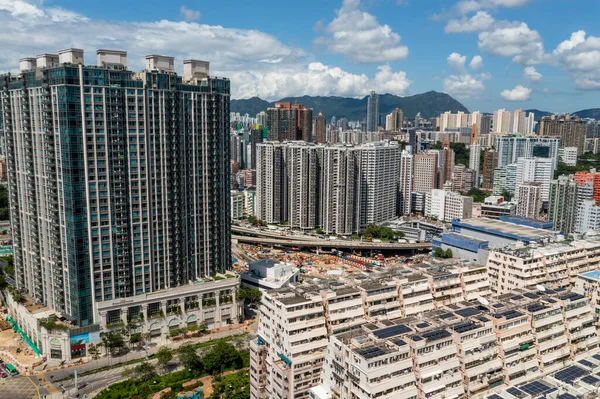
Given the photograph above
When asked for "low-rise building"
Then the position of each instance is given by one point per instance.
(268, 274)
(555, 265)
(470, 349)
(494, 207)
(296, 321)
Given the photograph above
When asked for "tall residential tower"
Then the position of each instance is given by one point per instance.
(118, 180)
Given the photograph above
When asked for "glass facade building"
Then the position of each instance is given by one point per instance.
(118, 181)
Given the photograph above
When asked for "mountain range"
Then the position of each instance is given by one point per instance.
(428, 104)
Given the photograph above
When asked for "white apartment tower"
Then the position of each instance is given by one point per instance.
(379, 179)
(271, 182)
(340, 189)
(303, 184)
(540, 170)
(474, 160)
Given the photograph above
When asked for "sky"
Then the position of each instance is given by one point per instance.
(488, 54)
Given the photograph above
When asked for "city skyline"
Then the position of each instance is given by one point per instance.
(488, 54)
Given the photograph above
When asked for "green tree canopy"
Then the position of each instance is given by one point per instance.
(477, 194)
(253, 295)
(164, 356)
(189, 357)
(222, 356)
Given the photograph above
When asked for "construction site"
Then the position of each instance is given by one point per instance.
(322, 264)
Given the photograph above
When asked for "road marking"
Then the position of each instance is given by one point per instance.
(36, 387)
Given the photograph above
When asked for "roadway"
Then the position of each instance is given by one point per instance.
(91, 383)
(290, 241)
(268, 234)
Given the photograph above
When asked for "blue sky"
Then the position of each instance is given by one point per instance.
(489, 54)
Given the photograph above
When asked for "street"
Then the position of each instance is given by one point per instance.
(96, 381)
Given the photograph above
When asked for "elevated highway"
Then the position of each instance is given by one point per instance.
(294, 242)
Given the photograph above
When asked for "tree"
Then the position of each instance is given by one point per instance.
(319, 231)
(113, 341)
(252, 219)
(253, 295)
(144, 371)
(477, 194)
(461, 153)
(189, 357)
(164, 356)
(437, 146)
(222, 356)
(507, 195)
(94, 351)
(440, 253)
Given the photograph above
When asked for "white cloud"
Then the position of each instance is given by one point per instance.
(514, 40)
(531, 74)
(462, 84)
(457, 62)
(580, 57)
(317, 79)
(359, 36)
(18, 8)
(476, 63)
(519, 93)
(479, 22)
(469, 6)
(189, 14)
(257, 63)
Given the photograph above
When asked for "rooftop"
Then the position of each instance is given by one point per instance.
(593, 275)
(505, 229)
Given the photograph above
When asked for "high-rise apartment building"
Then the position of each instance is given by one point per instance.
(486, 124)
(445, 165)
(588, 217)
(539, 170)
(287, 121)
(474, 160)
(568, 155)
(529, 203)
(499, 181)
(340, 189)
(380, 162)
(255, 136)
(118, 180)
(405, 185)
(303, 185)
(571, 130)
(332, 187)
(394, 120)
(446, 206)
(271, 183)
(562, 210)
(515, 122)
(490, 163)
(511, 148)
(373, 112)
(321, 129)
(463, 179)
(592, 177)
(425, 175)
